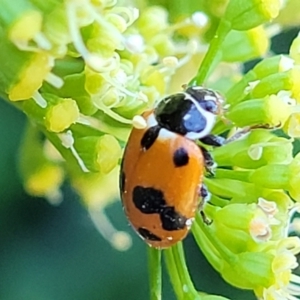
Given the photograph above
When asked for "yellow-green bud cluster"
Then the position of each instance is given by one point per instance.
(255, 189)
(256, 182)
(268, 94)
(83, 70)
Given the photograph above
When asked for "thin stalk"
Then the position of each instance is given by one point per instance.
(210, 252)
(224, 252)
(212, 53)
(173, 273)
(154, 260)
(189, 291)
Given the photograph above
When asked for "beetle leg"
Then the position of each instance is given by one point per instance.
(240, 133)
(213, 140)
(209, 163)
(205, 196)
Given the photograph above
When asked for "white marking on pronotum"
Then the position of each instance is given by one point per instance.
(165, 134)
(151, 121)
(209, 98)
(209, 117)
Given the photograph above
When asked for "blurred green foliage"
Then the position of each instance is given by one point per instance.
(50, 252)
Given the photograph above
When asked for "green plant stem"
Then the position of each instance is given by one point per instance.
(154, 259)
(187, 285)
(223, 252)
(212, 53)
(173, 273)
(210, 252)
(179, 274)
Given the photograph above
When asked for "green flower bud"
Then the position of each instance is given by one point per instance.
(250, 270)
(30, 79)
(243, 227)
(240, 191)
(240, 46)
(102, 39)
(282, 265)
(95, 83)
(241, 175)
(274, 176)
(74, 87)
(270, 110)
(244, 15)
(152, 21)
(59, 114)
(239, 90)
(271, 176)
(273, 65)
(258, 148)
(14, 18)
(266, 67)
(231, 225)
(41, 177)
(99, 153)
(282, 200)
(274, 83)
(22, 73)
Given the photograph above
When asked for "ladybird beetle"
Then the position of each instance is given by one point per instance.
(163, 167)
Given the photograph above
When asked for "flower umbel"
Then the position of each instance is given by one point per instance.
(84, 71)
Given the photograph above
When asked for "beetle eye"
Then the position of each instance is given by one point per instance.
(210, 106)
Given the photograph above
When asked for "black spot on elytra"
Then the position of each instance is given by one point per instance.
(122, 181)
(180, 157)
(151, 201)
(148, 235)
(148, 200)
(172, 220)
(149, 137)
(122, 178)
